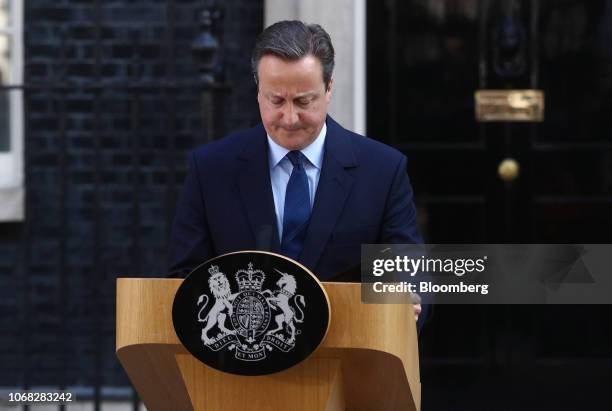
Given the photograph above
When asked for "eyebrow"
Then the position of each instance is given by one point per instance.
(307, 94)
(297, 96)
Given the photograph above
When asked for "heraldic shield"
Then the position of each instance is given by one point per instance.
(251, 313)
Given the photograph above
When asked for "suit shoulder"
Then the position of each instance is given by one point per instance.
(366, 148)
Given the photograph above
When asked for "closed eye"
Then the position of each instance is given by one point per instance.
(302, 101)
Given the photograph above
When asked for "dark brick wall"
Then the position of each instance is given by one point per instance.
(121, 147)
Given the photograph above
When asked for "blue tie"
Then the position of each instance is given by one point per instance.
(297, 208)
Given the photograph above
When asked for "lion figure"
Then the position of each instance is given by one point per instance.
(220, 288)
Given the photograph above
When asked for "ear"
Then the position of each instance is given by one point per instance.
(328, 92)
(256, 80)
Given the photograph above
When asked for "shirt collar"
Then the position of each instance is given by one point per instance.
(313, 152)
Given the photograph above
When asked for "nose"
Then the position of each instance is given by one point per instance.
(290, 116)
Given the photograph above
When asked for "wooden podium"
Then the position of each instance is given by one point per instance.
(368, 360)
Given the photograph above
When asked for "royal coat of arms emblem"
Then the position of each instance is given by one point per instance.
(243, 319)
(251, 313)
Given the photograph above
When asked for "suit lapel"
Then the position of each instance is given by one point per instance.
(256, 192)
(333, 190)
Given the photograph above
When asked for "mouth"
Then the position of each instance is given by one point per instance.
(291, 130)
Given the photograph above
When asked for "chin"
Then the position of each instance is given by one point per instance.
(302, 143)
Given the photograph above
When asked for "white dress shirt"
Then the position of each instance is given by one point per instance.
(281, 168)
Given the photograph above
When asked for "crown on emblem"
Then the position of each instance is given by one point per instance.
(213, 269)
(250, 280)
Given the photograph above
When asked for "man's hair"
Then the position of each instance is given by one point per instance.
(292, 40)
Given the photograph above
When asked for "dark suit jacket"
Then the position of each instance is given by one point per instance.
(363, 196)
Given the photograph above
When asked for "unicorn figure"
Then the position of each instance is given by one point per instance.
(281, 300)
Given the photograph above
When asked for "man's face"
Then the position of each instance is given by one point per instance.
(292, 100)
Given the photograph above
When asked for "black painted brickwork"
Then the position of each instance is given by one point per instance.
(136, 140)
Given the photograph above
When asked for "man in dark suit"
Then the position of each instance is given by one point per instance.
(298, 183)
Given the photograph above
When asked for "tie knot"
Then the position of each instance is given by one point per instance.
(296, 158)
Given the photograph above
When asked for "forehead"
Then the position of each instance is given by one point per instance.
(300, 75)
